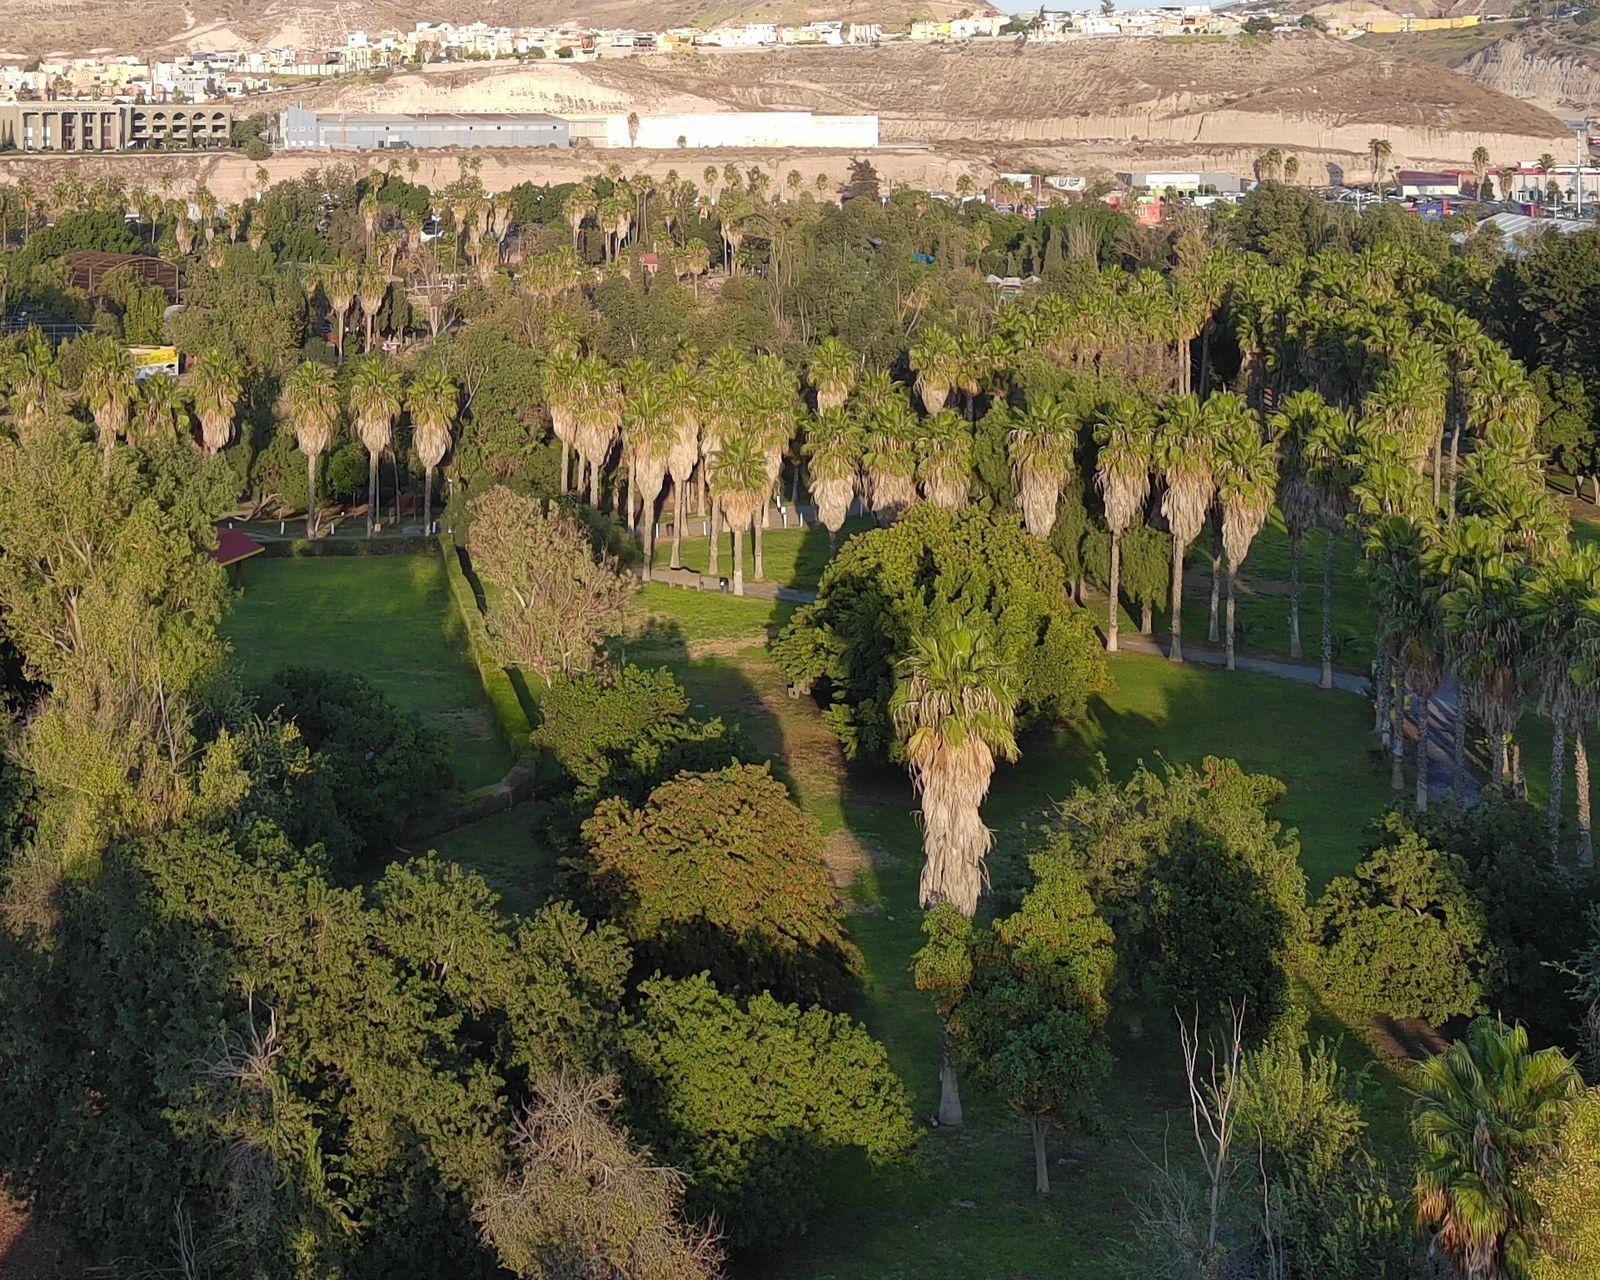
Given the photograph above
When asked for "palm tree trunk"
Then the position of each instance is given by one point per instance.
(427, 499)
(311, 497)
(1423, 709)
(1230, 620)
(1455, 449)
(677, 525)
(1497, 749)
(1041, 1164)
(1438, 466)
(1458, 749)
(1175, 653)
(1327, 610)
(1213, 635)
(1147, 618)
(394, 461)
(714, 555)
(1296, 543)
(760, 551)
(594, 485)
(647, 515)
(372, 493)
(949, 1087)
(1111, 607)
(628, 519)
(1397, 734)
(1580, 765)
(738, 560)
(1380, 698)
(1519, 775)
(566, 467)
(1558, 779)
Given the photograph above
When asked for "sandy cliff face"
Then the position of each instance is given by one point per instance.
(1564, 80)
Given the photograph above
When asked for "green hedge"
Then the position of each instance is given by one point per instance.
(497, 683)
(302, 547)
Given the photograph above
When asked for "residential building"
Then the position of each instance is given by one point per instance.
(100, 126)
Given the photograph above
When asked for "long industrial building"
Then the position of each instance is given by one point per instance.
(301, 129)
(770, 129)
(102, 126)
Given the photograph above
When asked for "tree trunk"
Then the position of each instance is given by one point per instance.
(1458, 748)
(1147, 618)
(1041, 1162)
(1397, 733)
(394, 461)
(647, 517)
(566, 467)
(1380, 699)
(1327, 610)
(1175, 653)
(1519, 775)
(738, 560)
(760, 551)
(949, 1087)
(628, 521)
(1455, 449)
(1438, 465)
(677, 525)
(1213, 635)
(1580, 766)
(1111, 607)
(427, 500)
(594, 485)
(714, 556)
(1296, 543)
(1497, 751)
(311, 496)
(1558, 779)
(1230, 620)
(372, 493)
(1423, 713)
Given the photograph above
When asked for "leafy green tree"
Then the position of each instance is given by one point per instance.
(746, 1099)
(887, 585)
(1404, 935)
(1564, 1181)
(1484, 1109)
(1201, 887)
(722, 873)
(1026, 1001)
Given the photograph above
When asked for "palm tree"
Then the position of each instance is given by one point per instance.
(431, 398)
(648, 436)
(160, 416)
(109, 387)
(311, 402)
(1480, 168)
(833, 371)
(1186, 457)
(954, 710)
(936, 360)
(375, 404)
(340, 282)
(1484, 1108)
(1247, 477)
(1041, 446)
(1561, 605)
(216, 384)
(371, 289)
(1379, 150)
(596, 420)
(682, 385)
(889, 458)
(563, 391)
(1126, 438)
(739, 474)
(834, 448)
(944, 459)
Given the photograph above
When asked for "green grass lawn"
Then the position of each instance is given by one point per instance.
(388, 618)
(792, 557)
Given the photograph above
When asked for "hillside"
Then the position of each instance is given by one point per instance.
(1554, 64)
(1307, 92)
(77, 26)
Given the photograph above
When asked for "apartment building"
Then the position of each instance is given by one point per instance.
(102, 126)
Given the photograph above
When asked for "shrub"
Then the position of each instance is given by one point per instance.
(971, 564)
(722, 873)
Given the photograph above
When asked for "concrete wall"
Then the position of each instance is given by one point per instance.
(744, 129)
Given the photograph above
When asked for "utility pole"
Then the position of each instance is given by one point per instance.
(1580, 132)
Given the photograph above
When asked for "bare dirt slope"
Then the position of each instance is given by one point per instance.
(78, 26)
(1553, 64)
(1306, 91)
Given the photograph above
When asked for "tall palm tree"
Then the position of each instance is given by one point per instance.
(1127, 438)
(954, 710)
(311, 403)
(1329, 453)
(936, 360)
(944, 459)
(431, 399)
(1247, 477)
(889, 458)
(833, 370)
(739, 475)
(1561, 606)
(216, 384)
(1186, 456)
(683, 396)
(372, 287)
(375, 403)
(834, 447)
(109, 388)
(340, 283)
(562, 380)
(1480, 169)
(1378, 152)
(1484, 1108)
(161, 415)
(596, 421)
(1041, 446)
(648, 434)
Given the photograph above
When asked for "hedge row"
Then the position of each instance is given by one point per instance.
(513, 716)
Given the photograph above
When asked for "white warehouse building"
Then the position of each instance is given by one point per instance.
(737, 129)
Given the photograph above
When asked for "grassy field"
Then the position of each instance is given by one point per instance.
(388, 618)
(792, 557)
(964, 1209)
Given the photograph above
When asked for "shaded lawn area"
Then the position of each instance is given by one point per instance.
(388, 618)
(506, 851)
(967, 1209)
(792, 557)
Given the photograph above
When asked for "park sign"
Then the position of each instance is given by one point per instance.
(149, 361)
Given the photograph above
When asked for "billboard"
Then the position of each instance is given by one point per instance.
(149, 361)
